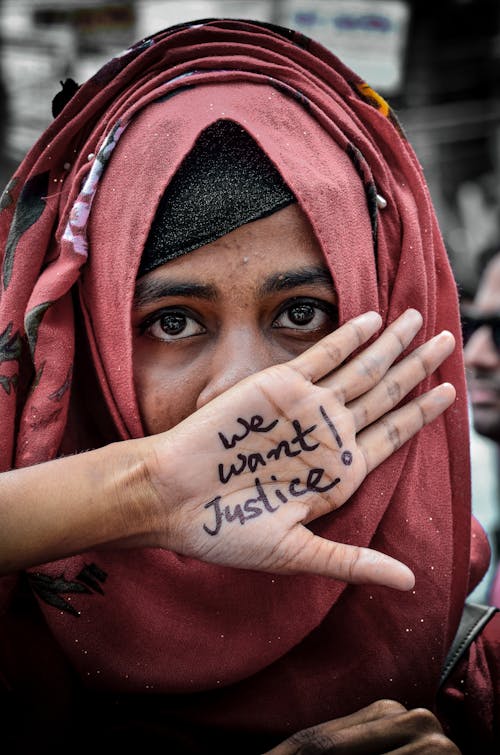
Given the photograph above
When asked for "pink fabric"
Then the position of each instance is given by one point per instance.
(172, 624)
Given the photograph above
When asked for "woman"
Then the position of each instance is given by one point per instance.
(197, 335)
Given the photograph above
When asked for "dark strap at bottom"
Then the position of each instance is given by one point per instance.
(474, 618)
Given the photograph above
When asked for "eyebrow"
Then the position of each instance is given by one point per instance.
(149, 291)
(304, 276)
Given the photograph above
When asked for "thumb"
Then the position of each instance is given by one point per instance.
(347, 563)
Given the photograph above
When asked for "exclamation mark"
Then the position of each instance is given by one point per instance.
(346, 456)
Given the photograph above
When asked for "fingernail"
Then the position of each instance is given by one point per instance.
(447, 333)
(449, 337)
(390, 572)
(414, 314)
(442, 394)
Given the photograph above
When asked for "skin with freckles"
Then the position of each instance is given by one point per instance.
(482, 357)
(258, 296)
(240, 367)
(262, 415)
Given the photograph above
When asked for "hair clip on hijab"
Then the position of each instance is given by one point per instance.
(381, 202)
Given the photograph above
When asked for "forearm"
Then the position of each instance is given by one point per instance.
(243, 503)
(94, 499)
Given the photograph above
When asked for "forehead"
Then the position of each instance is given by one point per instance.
(318, 170)
(250, 255)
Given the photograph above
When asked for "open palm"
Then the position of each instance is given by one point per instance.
(291, 443)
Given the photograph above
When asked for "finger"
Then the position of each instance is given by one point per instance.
(334, 349)
(413, 731)
(309, 553)
(401, 379)
(321, 732)
(369, 367)
(388, 434)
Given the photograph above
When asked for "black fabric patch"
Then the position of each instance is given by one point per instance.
(32, 322)
(6, 199)
(30, 206)
(363, 171)
(61, 99)
(52, 589)
(10, 345)
(224, 182)
(59, 393)
(9, 383)
(91, 575)
(38, 376)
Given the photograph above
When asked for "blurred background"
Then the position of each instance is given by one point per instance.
(438, 63)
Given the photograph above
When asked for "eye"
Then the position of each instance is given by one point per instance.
(171, 325)
(307, 315)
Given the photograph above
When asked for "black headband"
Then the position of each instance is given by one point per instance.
(225, 181)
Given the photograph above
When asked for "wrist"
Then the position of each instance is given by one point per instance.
(134, 517)
(97, 499)
(161, 480)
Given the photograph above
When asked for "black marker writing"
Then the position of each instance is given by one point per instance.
(293, 447)
(248, 510)
(271, 499)
(346, 457)
(331, 426)
(252, 426)
(299, 439)
(255, 506)
(279, 495)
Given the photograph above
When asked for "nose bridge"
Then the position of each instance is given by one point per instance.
(480, 350)
(238, 353)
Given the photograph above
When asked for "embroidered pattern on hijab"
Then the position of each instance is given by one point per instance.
(71, 223)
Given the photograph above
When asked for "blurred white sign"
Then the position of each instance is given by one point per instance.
(369, 36)
(153, 15)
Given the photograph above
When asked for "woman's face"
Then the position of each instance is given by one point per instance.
(256, 297)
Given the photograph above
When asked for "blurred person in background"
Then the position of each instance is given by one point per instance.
(481, 328)
(213, 224)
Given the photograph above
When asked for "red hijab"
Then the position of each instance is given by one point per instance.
(279, 653)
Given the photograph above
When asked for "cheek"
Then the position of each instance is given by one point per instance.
(165, 397)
